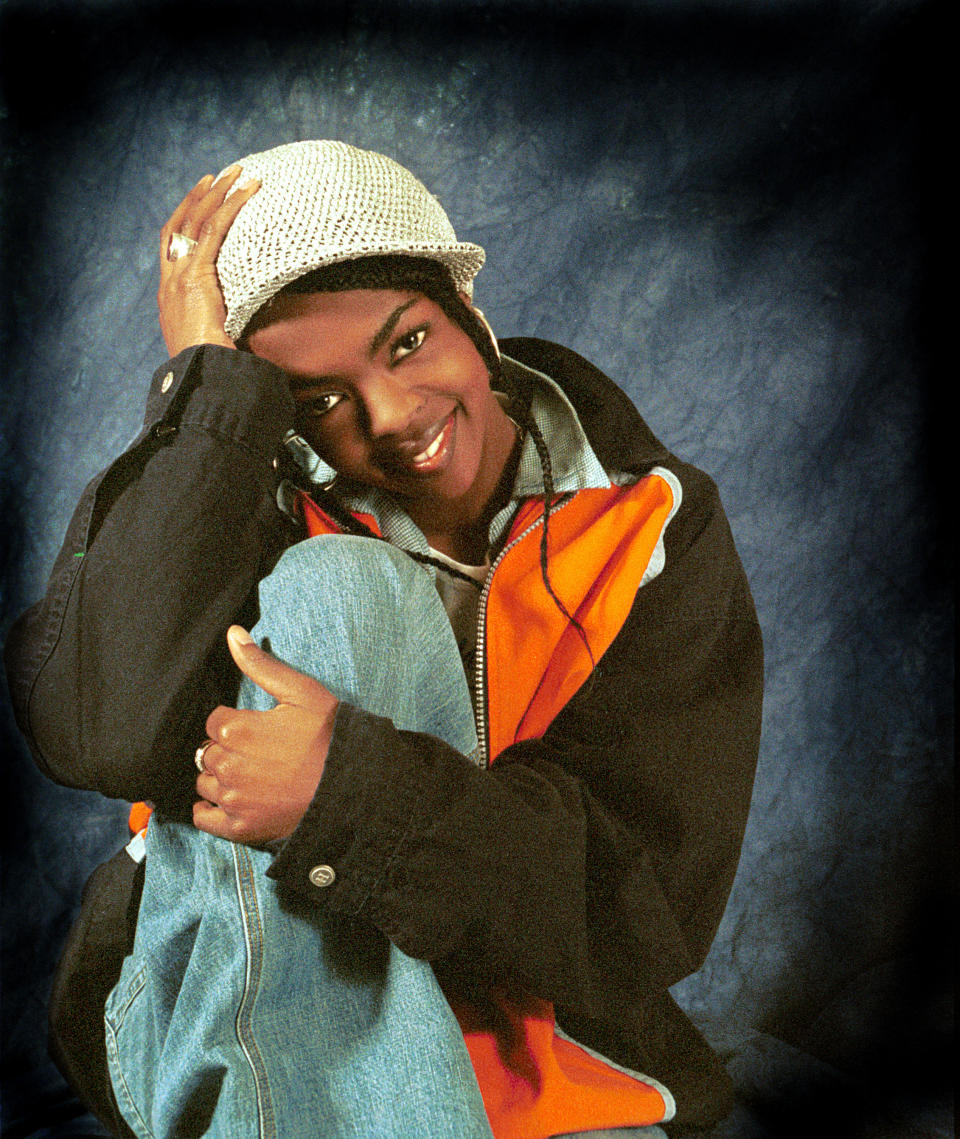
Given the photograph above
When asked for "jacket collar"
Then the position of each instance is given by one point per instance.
(617, 433)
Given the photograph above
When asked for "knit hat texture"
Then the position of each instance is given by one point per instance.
(323, 202)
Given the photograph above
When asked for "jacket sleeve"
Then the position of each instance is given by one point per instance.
(114, 672)
(589, 867)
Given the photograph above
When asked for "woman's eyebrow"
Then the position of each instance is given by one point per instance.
(380, 338)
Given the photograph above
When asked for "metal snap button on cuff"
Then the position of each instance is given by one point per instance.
(166, 383)
(322, 875)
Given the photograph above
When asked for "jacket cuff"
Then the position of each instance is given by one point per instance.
(234, 394)
(365, 804)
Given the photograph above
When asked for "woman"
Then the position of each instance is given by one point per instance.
(560, 868)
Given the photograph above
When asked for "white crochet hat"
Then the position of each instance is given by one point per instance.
(323, 202)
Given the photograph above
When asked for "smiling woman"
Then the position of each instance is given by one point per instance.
(479, 799)
(392, 393)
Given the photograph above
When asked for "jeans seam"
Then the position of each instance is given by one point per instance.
(134, 986)
(254, 939)
(112, 1044)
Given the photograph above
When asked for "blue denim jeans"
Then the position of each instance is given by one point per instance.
(241, 1017)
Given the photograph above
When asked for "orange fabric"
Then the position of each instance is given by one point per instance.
(600, 545)
(139, 816)
(536, 1084)
(318, 521)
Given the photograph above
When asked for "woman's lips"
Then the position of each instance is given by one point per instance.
(434, 455)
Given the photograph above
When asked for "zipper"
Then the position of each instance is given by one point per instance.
(480, 690)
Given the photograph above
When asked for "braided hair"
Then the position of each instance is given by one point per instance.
(432, 279)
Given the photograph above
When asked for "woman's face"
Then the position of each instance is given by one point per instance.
(392, 393)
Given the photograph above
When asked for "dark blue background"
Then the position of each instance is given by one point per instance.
(728, 207)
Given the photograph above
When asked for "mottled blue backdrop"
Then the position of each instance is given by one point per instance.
(728, 207)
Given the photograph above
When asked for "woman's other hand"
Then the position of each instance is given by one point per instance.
(262, 769)
(189, 298)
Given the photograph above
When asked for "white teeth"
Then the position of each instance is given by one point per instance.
(426, 455)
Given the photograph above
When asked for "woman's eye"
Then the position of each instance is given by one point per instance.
(409, 342)
(320, 404)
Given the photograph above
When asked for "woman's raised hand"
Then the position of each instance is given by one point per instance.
(189, 298)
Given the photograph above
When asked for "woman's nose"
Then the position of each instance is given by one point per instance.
(390, 405)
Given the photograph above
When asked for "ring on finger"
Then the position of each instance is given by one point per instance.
(200, 753)
(180, 246)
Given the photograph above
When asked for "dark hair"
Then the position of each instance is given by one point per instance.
(432, 279)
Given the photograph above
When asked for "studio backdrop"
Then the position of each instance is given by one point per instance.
(726, 207)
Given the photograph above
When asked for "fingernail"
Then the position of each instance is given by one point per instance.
(240, 635)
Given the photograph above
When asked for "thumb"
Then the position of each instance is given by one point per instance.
(285, 684)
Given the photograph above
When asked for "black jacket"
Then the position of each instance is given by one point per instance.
(619, 832)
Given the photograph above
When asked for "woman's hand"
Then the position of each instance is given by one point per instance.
(262, 768)
(189, 298)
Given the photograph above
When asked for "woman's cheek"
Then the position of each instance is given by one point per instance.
(329, 443)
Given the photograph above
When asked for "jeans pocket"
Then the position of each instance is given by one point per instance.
(130, 1070)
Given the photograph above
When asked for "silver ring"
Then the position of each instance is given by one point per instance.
(200, 753)
(180, 246)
